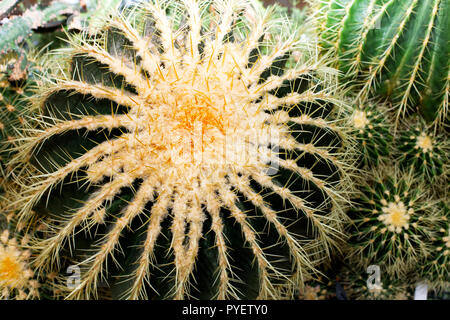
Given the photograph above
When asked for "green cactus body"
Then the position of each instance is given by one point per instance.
(372, 131)
(128, 163)
(436, 270)
(424, 151)
(393, 222)
(396, 49)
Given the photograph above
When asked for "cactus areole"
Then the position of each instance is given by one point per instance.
(186, 153)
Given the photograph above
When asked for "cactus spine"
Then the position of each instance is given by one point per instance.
(396, 49)
(371, 129)
(184, 143)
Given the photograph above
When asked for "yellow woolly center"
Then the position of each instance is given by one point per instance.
(198, 111)
(396, 216)
(425, 142)
(360, 120)
(9, 270)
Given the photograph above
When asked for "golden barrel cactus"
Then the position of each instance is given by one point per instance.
(189, 149)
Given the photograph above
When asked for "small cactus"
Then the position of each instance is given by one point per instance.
(436, 270)
(17, 279)
(393, 222)
(10, 113)
(371, 129)
(184, 153)
(424, 151)
(396, 49)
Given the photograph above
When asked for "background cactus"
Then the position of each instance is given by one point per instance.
(128, 144)
(13, 111)
(372, 130)
(317, 291)
(396, 49)
(436, 270)
(390, 288)
(423, 150)
(394, 221)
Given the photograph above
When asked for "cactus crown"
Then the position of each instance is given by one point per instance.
(186, 140)
(371, 128)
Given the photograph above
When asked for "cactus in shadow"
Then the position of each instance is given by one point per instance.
(395, 49)
(436, 270)
(183, 152)
(358, 286)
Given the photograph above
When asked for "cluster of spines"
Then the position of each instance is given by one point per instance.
(121, 72)
(11, 112)
(436, 270)
(398, 49)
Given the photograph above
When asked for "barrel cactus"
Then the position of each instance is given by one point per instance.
(371, 129)
(11, 112)
(182, 152)
(396, 49)
(436, 270)
(424, 151)
(394, 221)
